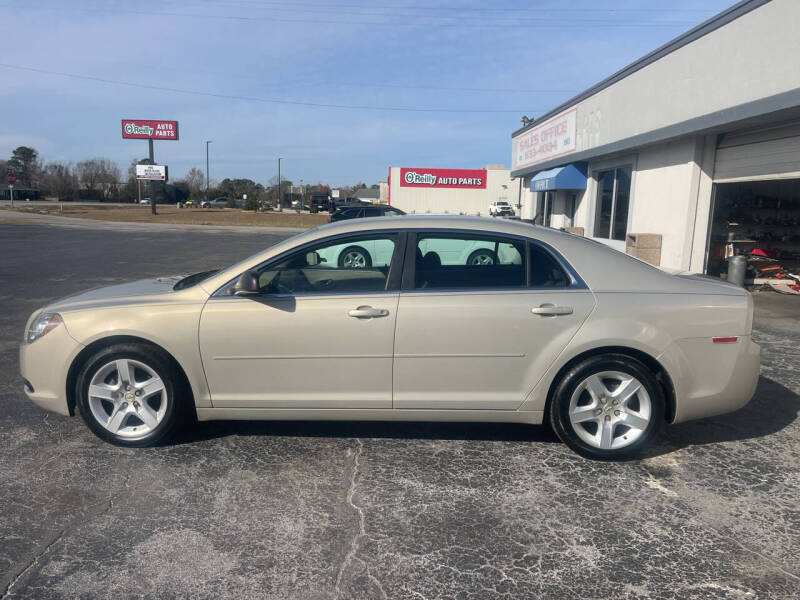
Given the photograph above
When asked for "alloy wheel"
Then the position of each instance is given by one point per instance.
(482, 259)
(127, 398)
(610, 410)
(353, 259)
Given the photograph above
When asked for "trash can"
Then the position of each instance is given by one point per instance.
(737, 267)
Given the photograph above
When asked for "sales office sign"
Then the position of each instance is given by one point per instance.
(551, 139)
(443, 178)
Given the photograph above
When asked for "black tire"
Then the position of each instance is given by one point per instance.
(365, 257)
(482, 252)
(559, 415)
(176, 395)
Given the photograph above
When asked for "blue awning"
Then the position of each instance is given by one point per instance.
(571, 177)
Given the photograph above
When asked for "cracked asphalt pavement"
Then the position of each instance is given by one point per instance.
(377, 510)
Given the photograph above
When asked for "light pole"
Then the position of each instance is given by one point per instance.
(208, 175)
(280, 199)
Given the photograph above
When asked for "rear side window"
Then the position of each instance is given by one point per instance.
(467, 261)
(545, 269)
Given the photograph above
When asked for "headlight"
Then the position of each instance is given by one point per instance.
(42, 325)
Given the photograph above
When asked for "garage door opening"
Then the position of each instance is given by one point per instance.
(758, 219)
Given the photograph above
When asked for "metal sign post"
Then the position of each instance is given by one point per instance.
(12, 179)
(150, 184)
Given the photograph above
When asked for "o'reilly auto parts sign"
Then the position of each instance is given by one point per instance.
(142, 129)
(474, 179)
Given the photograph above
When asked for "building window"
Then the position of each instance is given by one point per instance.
(613, 200)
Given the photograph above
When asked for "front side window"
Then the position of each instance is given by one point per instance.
(353, 264)
(467, 261)
(613, 200)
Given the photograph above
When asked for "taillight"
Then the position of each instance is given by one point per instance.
(725, 340)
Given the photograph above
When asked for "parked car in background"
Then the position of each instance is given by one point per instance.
(337, 203)
(220, 202)
(145, 201)
(501, 208)
(360, 210)
(447, 251)
(300, 205)
(556, 328)
(319, 201)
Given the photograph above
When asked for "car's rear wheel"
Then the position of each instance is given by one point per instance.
(608, 407)
(128, 395)
(354, 257)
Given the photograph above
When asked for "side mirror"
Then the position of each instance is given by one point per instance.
(246, 285)
(313, 259)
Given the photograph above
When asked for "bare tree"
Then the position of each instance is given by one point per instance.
(60, 180)
(99, 177)
(196, 181)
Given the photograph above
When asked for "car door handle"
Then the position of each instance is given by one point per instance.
(551, 310)
(367, 312)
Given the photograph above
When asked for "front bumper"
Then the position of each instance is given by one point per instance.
(44, 365)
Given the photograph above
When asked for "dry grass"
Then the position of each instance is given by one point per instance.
(191, 216)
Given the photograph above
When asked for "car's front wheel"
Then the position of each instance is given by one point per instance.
(127, 395)
(608, 407)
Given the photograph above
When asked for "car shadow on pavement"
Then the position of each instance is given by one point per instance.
(510, 432)
(773, 408)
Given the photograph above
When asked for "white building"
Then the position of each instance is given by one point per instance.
(452, 191)
(694, 142)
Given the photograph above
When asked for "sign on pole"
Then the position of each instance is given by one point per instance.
(145, 129)
(152, 172)
(12, 178)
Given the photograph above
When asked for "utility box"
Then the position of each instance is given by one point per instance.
(644, 246)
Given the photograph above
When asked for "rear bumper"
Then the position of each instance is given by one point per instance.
(712, 379)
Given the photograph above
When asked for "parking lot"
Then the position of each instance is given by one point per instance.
(374, 510)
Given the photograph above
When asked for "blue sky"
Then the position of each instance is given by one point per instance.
(455, 56)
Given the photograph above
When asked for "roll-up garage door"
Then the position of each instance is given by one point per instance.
(765, 153)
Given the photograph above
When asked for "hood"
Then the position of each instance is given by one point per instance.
(144, 291)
